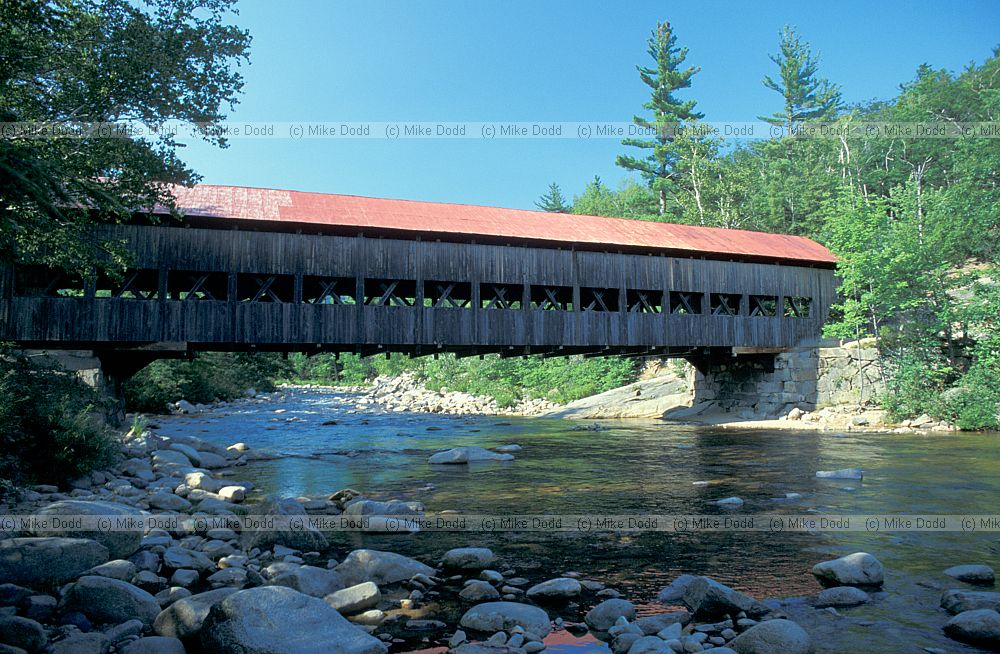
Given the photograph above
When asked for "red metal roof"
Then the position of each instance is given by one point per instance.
(469, 222)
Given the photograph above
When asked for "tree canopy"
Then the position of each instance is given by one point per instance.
(70, 64)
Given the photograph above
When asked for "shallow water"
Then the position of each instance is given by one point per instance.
(642, 467)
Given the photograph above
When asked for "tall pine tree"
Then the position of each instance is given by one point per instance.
(807, 96)
(553, 201)
(659, 167)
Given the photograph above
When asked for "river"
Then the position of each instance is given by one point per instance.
(645, 467)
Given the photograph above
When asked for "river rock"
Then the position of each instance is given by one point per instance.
(649, 645)
(90, 643)
(168, 502)
(979, 627)
(959, 601)
(203, 481)
(558, 588)
(278, 620)
(603, 616)
(233, 493)
(504, 616)
(858, 569)
(379, 567)
(674, 593)
(308, 579)
(36, 561)
(209, 460)
(154, 645)
(654, 624)
(845, 473)
(841, 596)
(355, 599)
(178, 557)
(118, 569)
(305, 539)
(510, 448)
(771, 637)
(468, 558)
(120, 543)
(479, 591)
(709, 599)
(375, 507)
(972, 574)
(22, 632)
(107, 600)
(468, 454)
(184, 618)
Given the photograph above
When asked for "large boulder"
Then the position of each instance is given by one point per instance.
(286, 511)
(674, 593)
(708, 598)
(43, 560)
(355, 599)
(468, 454)
(858, 569)
(771, 637)
(184, 618)
(308, 579)
(649, 645)
(603, 616)
(958, 601)
(379, 567)
(560, 588)
(121, 542)
(109, 601)
(468, 558)
(504, 616)
(278, 620)
(980, 627)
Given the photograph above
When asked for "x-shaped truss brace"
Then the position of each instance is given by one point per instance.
(499, 299)
(723, 308)
(551, 302)
(445, 299)
(128, 286)
(198, 286)
(389, 298)
(328, 290)
(597, 301)
(798, 308)
(684, 303)
(264, 289)
(642, 304)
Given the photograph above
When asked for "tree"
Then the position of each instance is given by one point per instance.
(553, 201)
(69, 64)
(670, 116)
(807, 96)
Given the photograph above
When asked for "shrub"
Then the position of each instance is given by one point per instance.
(915, 386)
(51, 425)
(209, 377)
(975, 402)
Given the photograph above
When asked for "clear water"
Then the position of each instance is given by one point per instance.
(640, 467)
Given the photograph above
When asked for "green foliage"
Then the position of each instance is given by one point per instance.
(807, 96)
(71, 63)
(553, 200)
(209, 377)
(508, 381)
(669, 133)
(51, 425)
(916, 386)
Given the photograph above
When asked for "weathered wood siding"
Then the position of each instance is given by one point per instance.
(231, 323)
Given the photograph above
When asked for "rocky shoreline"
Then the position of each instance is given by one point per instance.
(193, 587)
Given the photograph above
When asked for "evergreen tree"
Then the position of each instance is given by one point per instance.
(553, 200)
(669, 114)
(807, 96)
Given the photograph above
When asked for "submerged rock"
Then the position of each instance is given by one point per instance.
(841, 596)
(558, 588)
(845, 473)
(468, 454)
(468, 558)
(959, 601)
(979, 627)
(972, 574)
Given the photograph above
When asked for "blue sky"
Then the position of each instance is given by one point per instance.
(317, 60)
